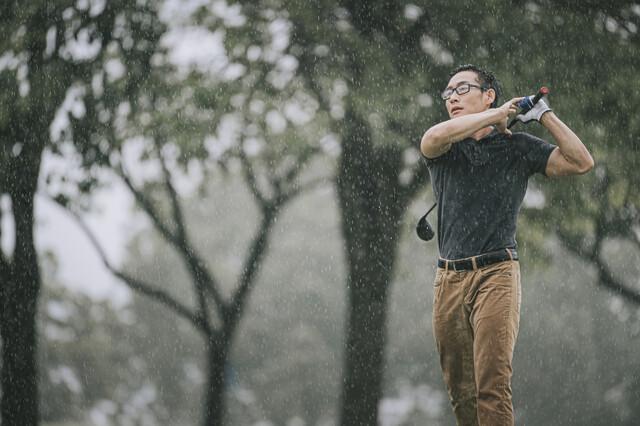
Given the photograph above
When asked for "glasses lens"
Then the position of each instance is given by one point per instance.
(462, 89)
(446, 94)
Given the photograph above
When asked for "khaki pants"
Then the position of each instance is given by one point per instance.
(475, 321)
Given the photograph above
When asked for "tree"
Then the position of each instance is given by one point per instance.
(284, 361)
(46, 49)
(203, 122)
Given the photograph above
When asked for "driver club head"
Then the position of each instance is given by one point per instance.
(424, 229)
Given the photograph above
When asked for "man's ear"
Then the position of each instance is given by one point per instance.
(490, 96)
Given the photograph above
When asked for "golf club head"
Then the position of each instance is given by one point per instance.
(424, 229)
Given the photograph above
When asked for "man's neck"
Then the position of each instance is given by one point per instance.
(482, 133)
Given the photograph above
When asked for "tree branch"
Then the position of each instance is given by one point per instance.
(196, 266)
(269, 211)
(250, 267)
(166, 299)
(135, 284)
(305, 187)
(605, 278)
(250, 177)
(173, 196)
(200, 276)
(610, 282)
(303, 160)
(148, 208)
(574, 245)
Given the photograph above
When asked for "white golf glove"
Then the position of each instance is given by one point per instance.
(532, 112)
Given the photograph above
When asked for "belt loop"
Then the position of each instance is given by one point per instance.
(446, 266)
(510, 254)
(473, 261)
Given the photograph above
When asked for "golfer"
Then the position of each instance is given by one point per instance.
(479, 171)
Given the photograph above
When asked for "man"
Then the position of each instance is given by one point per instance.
(479, 171)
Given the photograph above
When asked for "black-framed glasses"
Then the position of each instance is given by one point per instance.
(460, 90)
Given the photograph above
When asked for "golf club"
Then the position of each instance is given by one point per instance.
(543, 91)
(424, 229)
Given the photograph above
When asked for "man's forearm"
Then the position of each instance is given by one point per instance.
(441, 136)
(570, 145)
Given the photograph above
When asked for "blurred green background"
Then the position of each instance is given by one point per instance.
(271, 151)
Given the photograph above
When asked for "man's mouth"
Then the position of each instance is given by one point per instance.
(456, 108)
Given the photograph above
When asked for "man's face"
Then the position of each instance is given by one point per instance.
(475, 100)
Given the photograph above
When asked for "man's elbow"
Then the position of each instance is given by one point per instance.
(430, 141)
(587, 165)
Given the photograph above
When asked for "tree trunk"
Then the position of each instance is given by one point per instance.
(371, 210)
(19, 302)
(366, 339)
(217, 349)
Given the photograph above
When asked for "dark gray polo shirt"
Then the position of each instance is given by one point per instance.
(479, 186)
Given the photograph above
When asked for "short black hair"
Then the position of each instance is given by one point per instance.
(485, 78)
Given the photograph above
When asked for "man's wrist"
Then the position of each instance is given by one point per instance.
(494, 116)
(547, 117)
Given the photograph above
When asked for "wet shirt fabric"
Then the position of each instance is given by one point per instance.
(480, 186)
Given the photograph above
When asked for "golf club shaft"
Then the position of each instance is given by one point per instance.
(432, 207)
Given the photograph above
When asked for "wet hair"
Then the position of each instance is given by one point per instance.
(485, 78)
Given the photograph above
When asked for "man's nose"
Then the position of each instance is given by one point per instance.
(454, 98)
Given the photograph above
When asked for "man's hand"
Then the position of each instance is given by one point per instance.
(532, 112)
(505, 110)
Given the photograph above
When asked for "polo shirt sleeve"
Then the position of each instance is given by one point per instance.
(447, 155)
(536, 153)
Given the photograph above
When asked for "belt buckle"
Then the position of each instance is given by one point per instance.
(455, 268)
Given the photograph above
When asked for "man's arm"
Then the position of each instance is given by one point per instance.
(438, 139)
(571, 157)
